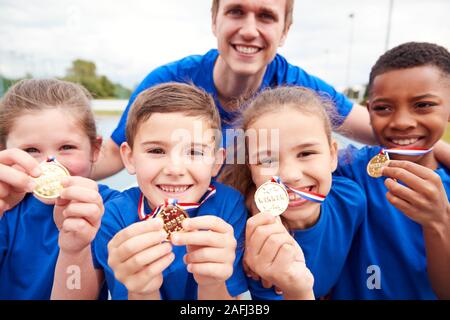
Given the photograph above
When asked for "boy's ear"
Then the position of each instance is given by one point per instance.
(334, 155)
(219, 160)
(96, 148)
(127, 157)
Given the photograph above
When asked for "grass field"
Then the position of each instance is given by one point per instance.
(447, 134)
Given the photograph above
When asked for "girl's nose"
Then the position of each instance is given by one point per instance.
(290, 174)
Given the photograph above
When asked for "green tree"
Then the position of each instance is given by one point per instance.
(85, 73)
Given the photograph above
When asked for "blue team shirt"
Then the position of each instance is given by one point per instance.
(327, 243)
(29, 249)
(388, 258)
(198, 70)
(178, 284)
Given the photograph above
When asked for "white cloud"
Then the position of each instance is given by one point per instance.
(127, 39)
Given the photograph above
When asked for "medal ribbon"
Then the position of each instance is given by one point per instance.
(406, 151)
(308, 195)
(173, 202)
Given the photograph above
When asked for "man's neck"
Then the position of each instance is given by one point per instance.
(231, 87)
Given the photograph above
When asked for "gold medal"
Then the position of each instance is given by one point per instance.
(48, 184)
(172, 217)
(272, 197)
(376, 164)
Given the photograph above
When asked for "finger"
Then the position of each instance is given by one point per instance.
(414, 168)
(285, 256)
(261, 234)
(148, 256)
(140, 243)
(257, 220)
(78, 226)
(16, 179)
(212, 270)
(203, 238)
(273, 245)
(208, 254)
(81, 194)
(5, 190)
(3, 206)
(209, 222)
(249, 272)
(401, 191)
(400, 204)
(88, 211)
(11, 157)
(299, 252)
(80, 182)
(136, 229)
(266, 283)
(143, 278)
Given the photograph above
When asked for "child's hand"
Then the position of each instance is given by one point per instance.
(272, 253)
(16, 171)
(77, 213)
(138, 255)
(211, 249)
(423, 199)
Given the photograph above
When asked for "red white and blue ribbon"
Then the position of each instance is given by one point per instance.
(308, 195)
(406, 151)
(174, 202)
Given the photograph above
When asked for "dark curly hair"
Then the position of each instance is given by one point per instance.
(410, 55)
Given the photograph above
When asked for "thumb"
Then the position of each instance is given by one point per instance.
(61, 202)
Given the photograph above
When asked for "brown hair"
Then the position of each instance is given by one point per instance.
(288, 18)
(271, 101)
(168, 98)
(31, 95)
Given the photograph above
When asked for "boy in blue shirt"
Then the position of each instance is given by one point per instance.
(402, 250)
(173, 147)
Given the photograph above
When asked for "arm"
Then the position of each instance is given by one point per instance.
(75, 277)
(425, 201)
(357, 126)
(437, 243)
(109, 162)
(77, 215)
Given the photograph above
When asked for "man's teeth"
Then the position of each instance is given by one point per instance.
(174, 188)
(247, 50)
(405, 142)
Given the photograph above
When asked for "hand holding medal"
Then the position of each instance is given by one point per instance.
(379, 161)
(48, 184)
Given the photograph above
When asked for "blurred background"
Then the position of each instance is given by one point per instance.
(110, 46)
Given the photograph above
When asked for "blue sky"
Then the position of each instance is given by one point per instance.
(127, 39)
